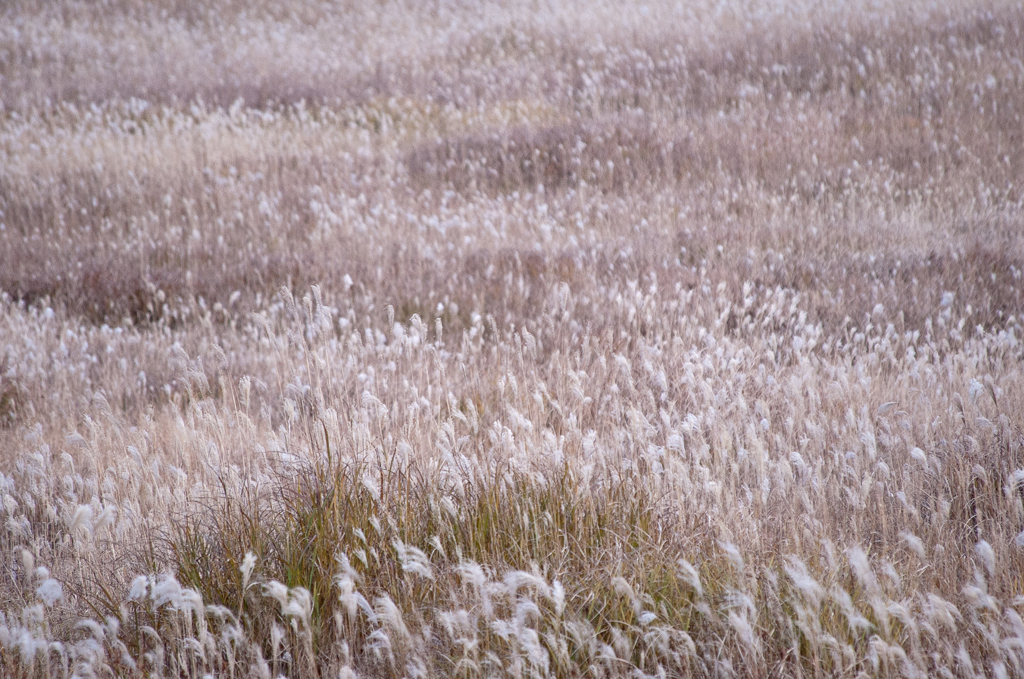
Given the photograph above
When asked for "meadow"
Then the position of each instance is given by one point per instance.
(492, 339)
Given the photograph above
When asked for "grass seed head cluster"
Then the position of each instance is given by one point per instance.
(586, 339)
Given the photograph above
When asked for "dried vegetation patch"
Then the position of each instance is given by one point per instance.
(589, 340)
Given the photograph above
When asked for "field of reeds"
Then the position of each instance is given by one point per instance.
(491, 339)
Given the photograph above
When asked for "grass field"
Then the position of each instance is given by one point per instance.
(511, 340)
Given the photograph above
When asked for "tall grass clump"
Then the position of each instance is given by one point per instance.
(586, 340)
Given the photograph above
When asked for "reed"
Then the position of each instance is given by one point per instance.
(586, 340)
